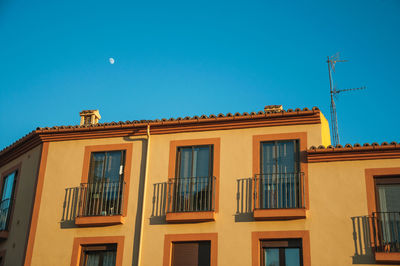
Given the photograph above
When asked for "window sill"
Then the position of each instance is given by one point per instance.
(99, 220)
(190, 217)
(387, 257)
(3, 234)
(279, 214)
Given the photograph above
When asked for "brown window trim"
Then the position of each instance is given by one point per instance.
(169, 239)
(258, 237)
(80, 242)
(282, 214)
(17, 168)
(115, 219)
(375, 176)
(195, 216)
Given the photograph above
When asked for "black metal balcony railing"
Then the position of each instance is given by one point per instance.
(93, 199)
(362, 236)
(386, 231)
(159, 199)
(379, 232)
(192, 194)
(279, 191)
(270, 191)
(101, 199)
(4, 213)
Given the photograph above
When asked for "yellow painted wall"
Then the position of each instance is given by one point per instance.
(325, 132)
(336, 192)
(16, 241)
(53, 243)
(234, 238)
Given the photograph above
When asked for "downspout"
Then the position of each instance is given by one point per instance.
(146, 170)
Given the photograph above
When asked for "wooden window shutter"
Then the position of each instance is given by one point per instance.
(191, 253)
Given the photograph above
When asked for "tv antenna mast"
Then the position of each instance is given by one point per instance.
(332, 60)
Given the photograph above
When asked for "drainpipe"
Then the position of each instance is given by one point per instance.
(146, 170)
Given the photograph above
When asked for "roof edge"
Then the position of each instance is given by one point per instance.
(165, 126)
(357, 151)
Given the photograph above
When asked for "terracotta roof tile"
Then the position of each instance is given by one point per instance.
(356, 146)
(195, 118)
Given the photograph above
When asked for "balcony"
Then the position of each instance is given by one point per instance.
(182, 200)
(95, 204)
(278, 196)
(377, 236)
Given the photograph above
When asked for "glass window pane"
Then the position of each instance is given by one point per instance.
(285, 157)
(109, 258)
(92, 258)
(185, 169)
(389, 197)
(271, 256)
(201, 161)
(268, 164)
(8, 186)
(292, 257)
(97, 163)
(113, 164)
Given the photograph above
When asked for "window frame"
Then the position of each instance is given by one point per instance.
(16, 168)
(258, 237)
(80, 242)
(114, 219)
(96, 247)
(197, 244)
(202, 216)
(372, 175)
(169, 239)
(289, 213)
(178, 159)
(280, 244)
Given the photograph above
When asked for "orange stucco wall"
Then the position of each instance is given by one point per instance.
(64, 170)
(336, 193)
(234, 238)
(15, 244)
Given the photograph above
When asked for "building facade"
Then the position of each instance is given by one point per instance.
(254, 189)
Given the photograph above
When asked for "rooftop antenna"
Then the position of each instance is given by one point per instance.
(332, 60)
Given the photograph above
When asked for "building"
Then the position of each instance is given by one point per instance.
(261, 188)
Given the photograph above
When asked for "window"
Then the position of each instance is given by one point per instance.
(191, 253)
(104, 191)
(99, 255)
(279, 179)
(7, 196)
(387, 217)
(281, 248)
(98, 251)
(286, 252)
(102, 195)
(382, 189)
(191, 249)
(194, 180)
(280, 176)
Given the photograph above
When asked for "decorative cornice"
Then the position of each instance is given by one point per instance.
(353, 152)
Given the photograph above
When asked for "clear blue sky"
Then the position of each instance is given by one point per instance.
(180, 58)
